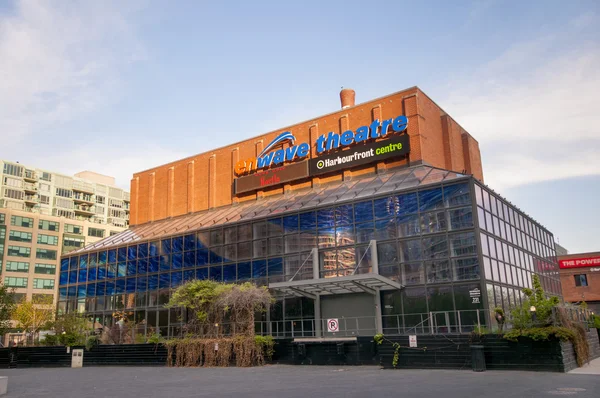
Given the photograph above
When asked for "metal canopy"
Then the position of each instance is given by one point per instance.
(362, 283)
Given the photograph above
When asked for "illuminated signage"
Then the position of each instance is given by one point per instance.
(394, 147)
(579, 262)
(324, 143)
(271, 177)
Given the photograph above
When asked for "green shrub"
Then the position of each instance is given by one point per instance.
(50, 339)
(156, 339)
(267, 345)
(543, 333)
(90, 342)
(594, 321)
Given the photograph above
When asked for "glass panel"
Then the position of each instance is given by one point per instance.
(385, 229)
(438, 271)
(465, 269)
(433, 222)
(363, 211)
(430, 199)
(325, 218)
(413, 273)
(408, 225)
(463, 244)
(457, 195)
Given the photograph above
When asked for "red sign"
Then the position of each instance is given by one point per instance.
(579, 262)
(271, 177)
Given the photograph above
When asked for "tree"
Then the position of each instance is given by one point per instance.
(521, 316)
(35, 314)
(7, 306)
(71, 328)
(209, 303)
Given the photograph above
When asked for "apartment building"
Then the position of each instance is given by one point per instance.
(31, 245)
(44, 215)
(86, 196)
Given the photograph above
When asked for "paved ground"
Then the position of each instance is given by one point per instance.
(592, 368)
(291, 381)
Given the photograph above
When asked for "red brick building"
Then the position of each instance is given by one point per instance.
(204, 181)
(580, 278)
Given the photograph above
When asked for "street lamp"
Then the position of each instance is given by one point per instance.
(533, 314)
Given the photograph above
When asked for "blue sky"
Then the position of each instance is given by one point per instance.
(117, 87)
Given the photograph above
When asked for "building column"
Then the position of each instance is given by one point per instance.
(377, 296)
(317, 301)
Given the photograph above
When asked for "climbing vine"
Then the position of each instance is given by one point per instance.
(220, 325)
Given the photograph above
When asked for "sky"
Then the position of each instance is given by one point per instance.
(118, 87)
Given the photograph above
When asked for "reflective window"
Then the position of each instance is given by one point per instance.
(438, 271)
(363, 211)
(431, 199)
(461, 218)
(435, 247)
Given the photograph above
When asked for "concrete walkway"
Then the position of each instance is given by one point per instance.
(592, 368)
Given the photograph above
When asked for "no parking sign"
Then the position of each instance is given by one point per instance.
(333, 325)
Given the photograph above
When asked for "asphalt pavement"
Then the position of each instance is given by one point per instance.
(292, 381)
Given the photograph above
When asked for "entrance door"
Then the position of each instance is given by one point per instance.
(355, 314)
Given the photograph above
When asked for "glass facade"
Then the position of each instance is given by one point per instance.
(513, 248)
(427, 237)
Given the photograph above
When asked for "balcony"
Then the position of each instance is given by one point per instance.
(83, 198)
(82, 209)
(30, 175)
(31, 199)
(79, 186)
(29, 187)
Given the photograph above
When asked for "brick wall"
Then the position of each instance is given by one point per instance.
(573, 293)
(205, 180)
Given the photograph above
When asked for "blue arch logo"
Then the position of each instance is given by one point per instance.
(281, 138)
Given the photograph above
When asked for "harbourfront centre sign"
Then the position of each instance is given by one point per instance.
(327, 143)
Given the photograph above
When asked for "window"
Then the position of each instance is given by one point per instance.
(74, 229)
(48, 269)
(116, 203)
(63, 213)
(98, 233)
(112, 233)
(73, 241)
(13, 182)
(45, 200)
(18, 236)
(47, 239)
(49, 225)
(18, 221)
(46, 176)
(11, 281)
(13, 170)
(581, 280)
(45, 254)
(42, 298)
(43, 283)
(17, 266)
(2, 218)
(44, 187)
(13, 194)
(101, 200)
(65, 193)
(18, 251)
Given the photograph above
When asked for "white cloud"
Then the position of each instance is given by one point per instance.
(120, 165)
(60, 60)
(533, 109)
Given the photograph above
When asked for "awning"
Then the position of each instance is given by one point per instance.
(362, 283)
